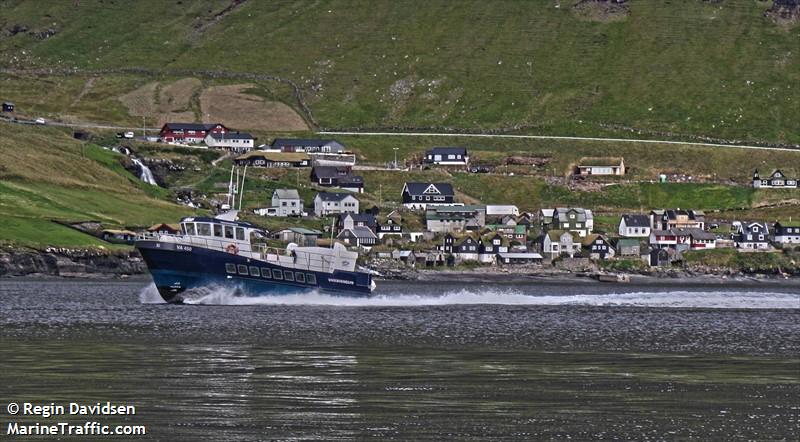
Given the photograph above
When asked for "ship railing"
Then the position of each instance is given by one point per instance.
(281, 256)
(308, 261)
(223, 244)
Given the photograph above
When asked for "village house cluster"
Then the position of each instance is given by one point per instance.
(432, 227)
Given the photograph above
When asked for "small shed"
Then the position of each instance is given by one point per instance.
(300, 236)
(628, 247)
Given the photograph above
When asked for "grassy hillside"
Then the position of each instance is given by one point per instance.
(720, 69)
(45, 175)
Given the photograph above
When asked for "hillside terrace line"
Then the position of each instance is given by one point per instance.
(454, 134)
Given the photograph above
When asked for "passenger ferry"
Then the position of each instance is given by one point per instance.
(221, 251)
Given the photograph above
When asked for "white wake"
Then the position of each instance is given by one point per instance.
(667, 299)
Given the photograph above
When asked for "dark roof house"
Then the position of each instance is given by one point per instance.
(420, 195)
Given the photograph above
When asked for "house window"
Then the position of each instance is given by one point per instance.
(265, 273)
(242, 269)
(276, 274)
(230, 268)
(288, 275)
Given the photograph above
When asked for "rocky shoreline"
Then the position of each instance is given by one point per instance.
(70, 263)
(92, 263)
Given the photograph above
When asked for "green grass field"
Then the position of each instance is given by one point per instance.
(45, 175)
(668, 70)
(719, 69)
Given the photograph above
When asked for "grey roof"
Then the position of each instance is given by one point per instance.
(305, 142)
(582, 214)
(303, 231)
(330, 171)
(233, 136)
(447, 151)
(701, 234)
(366, 218)
(286, 194)
(334, 196)
(419, 188)
(628, 242)
(636, 220)
(360, 232)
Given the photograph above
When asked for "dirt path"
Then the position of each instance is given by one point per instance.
(554, 137)
(86, 88)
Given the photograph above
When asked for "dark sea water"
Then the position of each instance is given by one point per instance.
(437, 361)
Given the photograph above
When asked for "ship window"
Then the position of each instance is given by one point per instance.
(218, 230)
(311, 278)
(190, 229)
(242, 269)
(276, 274)
(204, 229)
(288, 275)
(230, 268)
(254, 271)
(265, 273)
(240, 234)
(229, 232)
(299, 277)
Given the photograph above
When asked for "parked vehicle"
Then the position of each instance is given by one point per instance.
(40, 120)
(128, 134)
(479, 169)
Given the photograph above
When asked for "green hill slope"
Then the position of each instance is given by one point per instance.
(719, 69)
(45, 176)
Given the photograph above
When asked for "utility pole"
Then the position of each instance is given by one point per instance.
(395, 157)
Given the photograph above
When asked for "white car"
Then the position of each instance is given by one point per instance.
(128, 134)
(40, 120)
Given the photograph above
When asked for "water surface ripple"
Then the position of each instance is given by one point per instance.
(420, 362)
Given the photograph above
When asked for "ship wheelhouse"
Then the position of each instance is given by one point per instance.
(219, 234)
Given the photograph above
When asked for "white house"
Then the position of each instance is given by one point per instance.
(233, 141)
(331, 203)
(787, 233)
(287, 202)
(634, 226)
(560, 242)
(600, 166)
(775, 181)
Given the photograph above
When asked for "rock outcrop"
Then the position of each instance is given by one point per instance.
(69, 263)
